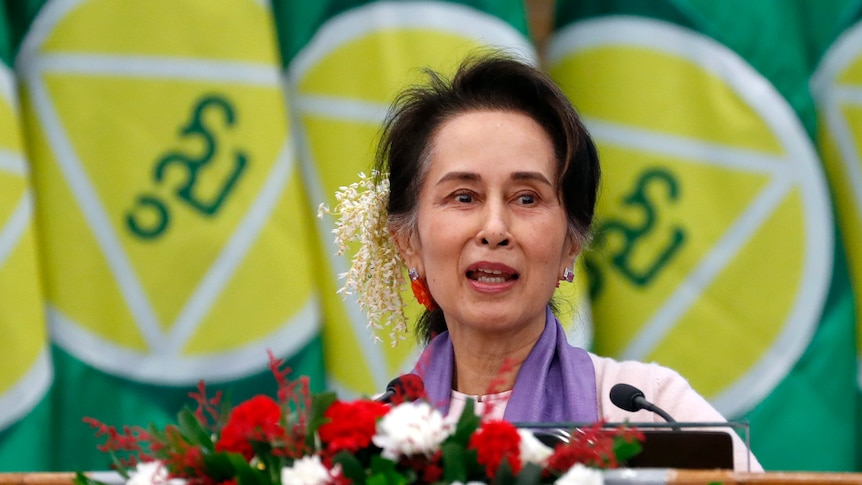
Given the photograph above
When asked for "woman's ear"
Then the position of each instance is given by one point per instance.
(576, 244)
(572, 250)
(408, 246)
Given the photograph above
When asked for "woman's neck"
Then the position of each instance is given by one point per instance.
(487, 364)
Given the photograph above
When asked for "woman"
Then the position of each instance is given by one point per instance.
(492, 183)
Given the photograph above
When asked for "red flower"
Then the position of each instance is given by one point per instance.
(257, 419)
(432, 473)
(429, 469)
(351, 425)
(494, 442)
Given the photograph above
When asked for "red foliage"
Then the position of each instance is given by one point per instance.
(351, 425)
(125, 446)
(502, 381)
(494, 442)
(295, 399)
(595, 448)
(207, 407)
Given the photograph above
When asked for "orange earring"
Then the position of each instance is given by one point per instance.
(420, 290)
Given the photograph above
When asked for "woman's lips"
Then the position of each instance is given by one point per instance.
(491, 273)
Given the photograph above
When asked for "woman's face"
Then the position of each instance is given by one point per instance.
(492, 239)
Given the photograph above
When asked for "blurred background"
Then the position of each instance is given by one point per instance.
(162, 163)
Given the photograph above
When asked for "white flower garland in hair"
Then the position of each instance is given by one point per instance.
(376, 272)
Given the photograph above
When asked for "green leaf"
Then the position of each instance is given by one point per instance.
(531, 474)
(192, 430)
(245, 473)
(272, 463)
(454, 462)
(504, 474)
(384, 472)
(376, 480)
(219, 465)
(119, 465)
(380, 464)
(319, 404)
(225, 408)
(156, 434)
(350, 467)
(224, 466)
(81, 479)
(624, 450)
(468, 423)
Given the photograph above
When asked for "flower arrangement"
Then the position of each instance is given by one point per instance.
(300, 438)
(376, 270)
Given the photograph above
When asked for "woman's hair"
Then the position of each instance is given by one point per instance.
(489, 82)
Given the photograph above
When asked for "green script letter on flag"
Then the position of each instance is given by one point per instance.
(716, 251)
(25, 370)
(170, 208)
(346, 61)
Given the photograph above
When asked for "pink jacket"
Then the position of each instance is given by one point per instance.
(666, 389)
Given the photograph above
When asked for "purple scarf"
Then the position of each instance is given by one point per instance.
(557, 382)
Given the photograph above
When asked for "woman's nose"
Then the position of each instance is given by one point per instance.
(495, 228)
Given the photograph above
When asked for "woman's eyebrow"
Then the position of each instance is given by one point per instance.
(462, 176)
(531, 176)
(474, 177)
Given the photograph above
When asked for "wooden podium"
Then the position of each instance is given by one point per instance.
(774, 478)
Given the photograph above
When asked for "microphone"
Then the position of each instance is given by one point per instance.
(630, 398)
(407, 387)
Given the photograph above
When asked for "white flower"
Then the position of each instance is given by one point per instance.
(152, 473)
(376, 273)
(533, 450)
(307, 470)
(581, 475)
(411, 428)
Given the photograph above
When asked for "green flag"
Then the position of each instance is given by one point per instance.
(346, 60)
(837, 87)
(25, 374)
(171, 217)
(716, 250)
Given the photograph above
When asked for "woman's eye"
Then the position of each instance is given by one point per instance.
(464, 198)
(527, 199)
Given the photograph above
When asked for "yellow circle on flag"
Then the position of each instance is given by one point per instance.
(175, 245)
(26, 371)
(342, 83)
(713, 245)
(837, 87)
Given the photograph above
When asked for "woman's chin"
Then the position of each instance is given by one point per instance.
(498, 319)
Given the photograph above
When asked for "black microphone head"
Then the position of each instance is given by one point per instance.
(625, 396)
(407, 387)
(413, 382)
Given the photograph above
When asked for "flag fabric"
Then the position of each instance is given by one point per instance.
(345, 61)
(161, 164)
(25, 372)
(717, 251)
(837, 89)
(172, 222)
